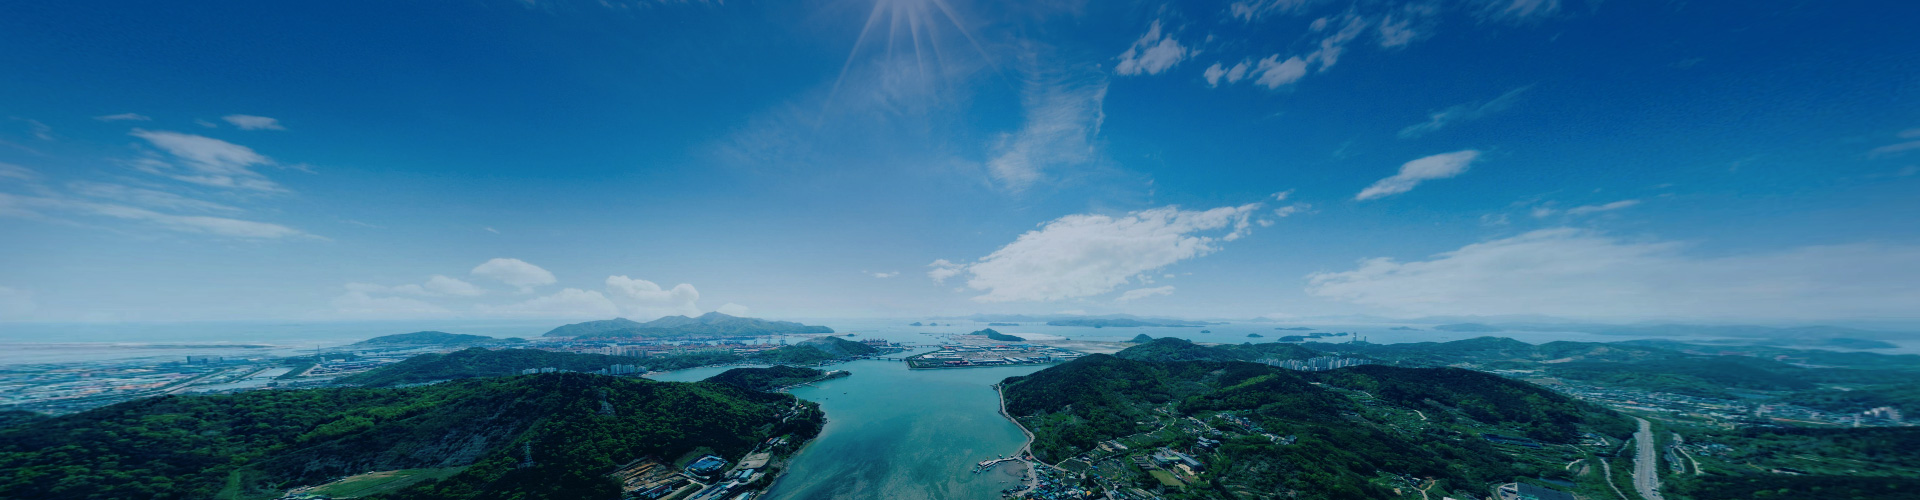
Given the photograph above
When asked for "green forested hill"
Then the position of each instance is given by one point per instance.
(481, 362)
(1905, 397)
(431, 339)
(765, 379)
(1351, 424)
(575, 428)
(1175, 349)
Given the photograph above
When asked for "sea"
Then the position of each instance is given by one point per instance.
(891, 433)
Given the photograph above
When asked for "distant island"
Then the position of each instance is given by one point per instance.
(1003, 324)
(1051, 318)
(431, 338)
(991, 334)
(770, 378)
(916, 323)
(709, 325)
(1294, 328)
(1121, 323)
(1255, 335)
(1141, 338)
(1469, 328)
(1405, 328)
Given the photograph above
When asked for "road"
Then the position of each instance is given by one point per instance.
(1026, 449)
(1646, 461)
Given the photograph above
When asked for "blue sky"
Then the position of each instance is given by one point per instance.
(1710, 161)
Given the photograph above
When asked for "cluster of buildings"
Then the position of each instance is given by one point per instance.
(1731, 413)
(648, 479)
(1322, 363)
(961, 355)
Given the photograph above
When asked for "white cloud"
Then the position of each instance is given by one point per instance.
(28, 206)
(9, 170)
(443, 285)
(732, 309)
(1062, 119)
(1894, 149)
(250, 122)
(359, 304)
(1274, 72)
(1141, 293)
(16, 304)
(1282, 196)
(943, 269)
(1576, 273)
(206, 161)
(514, 272)
(1587, 209)
(1087, 254)
(40, 130)
(147, 197)
(1297, 208)
(1151, 54)
(566, 303)
(647, 299)
(1333, 45)
(885, 275)
(1216, 73)
(1413, 21)
(1518, 11)
(1463, 113)
(1253, 10)
(1412, 173)
(123, 117)
(1396, 32)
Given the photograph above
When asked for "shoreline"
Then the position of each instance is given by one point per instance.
(1025, 453)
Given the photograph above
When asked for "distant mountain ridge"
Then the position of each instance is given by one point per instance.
(1051, 319)
(433, 338)
(713, 324)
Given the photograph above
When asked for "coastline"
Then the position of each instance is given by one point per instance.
(1025, 453)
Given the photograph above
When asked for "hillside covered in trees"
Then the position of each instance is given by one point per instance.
(1347, 426)
(431, 339)
(545, 436)
(769, 378)
(481, 362)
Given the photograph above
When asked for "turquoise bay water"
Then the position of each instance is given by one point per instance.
(894, 433)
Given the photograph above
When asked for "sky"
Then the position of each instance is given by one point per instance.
(1754, 161)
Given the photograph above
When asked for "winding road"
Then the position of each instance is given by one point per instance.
(1646, 461)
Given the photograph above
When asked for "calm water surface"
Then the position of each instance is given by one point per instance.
(894, 433)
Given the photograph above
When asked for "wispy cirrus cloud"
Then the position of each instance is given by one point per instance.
(250, 122)
(206, 161)
(1579, 273)
(1462, 113)
(124, 117)
(1141, 293)
(1440, 166)
(1063, 112)
(514, 272)
(42, 206)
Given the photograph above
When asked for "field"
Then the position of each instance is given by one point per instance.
(374, 483)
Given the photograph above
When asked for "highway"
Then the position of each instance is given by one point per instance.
(1646, 470)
